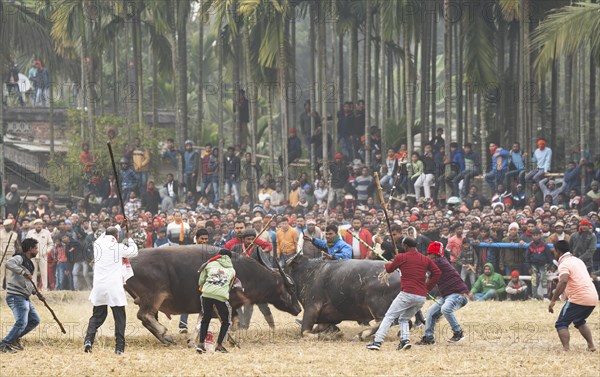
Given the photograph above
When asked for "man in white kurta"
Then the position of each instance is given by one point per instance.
(45, 246)
(108, 286)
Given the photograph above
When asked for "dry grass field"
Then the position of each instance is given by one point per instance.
(502, 339)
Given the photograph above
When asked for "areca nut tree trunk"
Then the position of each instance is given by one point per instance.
(447, 74)
(91, 97)
(367, 83)
(313, 81)
(220, 53)
(408, 90)
(322, 90)
(251, 89)
(200, 62)
(283, 68)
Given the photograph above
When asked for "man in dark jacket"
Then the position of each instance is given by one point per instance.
(151, 198)
(294, 148)
(339, 176)
(210, 165)
(190, 167)
(538, 256)
(232, 169)
(18, 289)
(583, 243)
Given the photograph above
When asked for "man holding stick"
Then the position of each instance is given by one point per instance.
(18, 289)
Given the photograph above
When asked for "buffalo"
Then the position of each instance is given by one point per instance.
(166, 280)
(342, 290)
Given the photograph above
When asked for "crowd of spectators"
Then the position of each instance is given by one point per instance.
(436, 197)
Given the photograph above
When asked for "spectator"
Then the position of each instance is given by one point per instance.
(305, 121)
(467, 260)
(489, 286)
(141, 164)
(345, 129)
(571, 177)
(559, 233)
(583, 243)
(210, 164)
(499, 166)
(317, 140)
(538, 257)
(132, 205)
(13, 200)
(42, 83)
(287, 240)
(472, 169)
(390, 167)
(457, 168)
(321, 192)
(232, 171)
(190, 167)
(542, 157)
(516, 166)
(242, 106)
(172, 154)
(362, 184)
(12, 83)
(438, 141)
(339, 177)
(162, 239)
(333, 247)
(171, 188)
(359, 250)
(45, 246)
(511, 258)
(129, 181)
(179, 231)
(150, 198)
(516, 290)
(252, 174)
(10, 243)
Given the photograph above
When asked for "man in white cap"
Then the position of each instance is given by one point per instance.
(45, 246)
(13, 200)
(8, 237)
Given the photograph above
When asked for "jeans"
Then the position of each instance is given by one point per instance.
(536, 175)
(41, 94)
(190, 180)
(183, 321)
(446, 307)
(209, 180)
(467, 274)
(142, 181)
(387, 181)
(26, 318)
(82, 273)
(233, 185)
(494, 178)
(63, 281)
(466, 177)
(489, 295)
(404, 307)
(538, 278)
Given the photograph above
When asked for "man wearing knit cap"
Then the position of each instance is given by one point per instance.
(413, 290)
(542, 157)
(511, 258)
(574, 281)
(516, 288)
(454, 296)
(583, 243)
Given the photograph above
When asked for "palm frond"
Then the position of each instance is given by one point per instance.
(566, 30)
(480, 61)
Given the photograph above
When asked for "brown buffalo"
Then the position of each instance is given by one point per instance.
(166, 280)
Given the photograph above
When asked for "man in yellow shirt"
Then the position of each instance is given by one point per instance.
(287, 240)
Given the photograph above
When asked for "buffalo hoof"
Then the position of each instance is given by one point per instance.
(168, 340)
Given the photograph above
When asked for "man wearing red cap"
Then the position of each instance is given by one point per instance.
(542, 157)
(583, 243)
(454, 296)
(516, 289)
(413, 290)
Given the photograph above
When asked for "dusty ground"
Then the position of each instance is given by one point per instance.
(516, 339)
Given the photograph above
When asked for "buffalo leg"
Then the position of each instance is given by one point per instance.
(368, 331)
(308, 320)
(148, 315)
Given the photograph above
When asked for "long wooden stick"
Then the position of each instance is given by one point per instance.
(265, 227)
(16, 221)
(43, 299)
(383, 205)
(112, 160)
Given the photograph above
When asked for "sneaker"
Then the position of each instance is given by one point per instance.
(119, 352)
(200, 348)
(374, 346)
(183, 330)
(404, 345)
(16, 345)
(221, 349)
(457, 337)
(425, 341)
(87, 347)
(5, 348)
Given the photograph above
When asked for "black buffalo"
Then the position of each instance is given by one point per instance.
(166, 280)
(342, 290)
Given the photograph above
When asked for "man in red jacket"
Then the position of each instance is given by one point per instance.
(413, 290)
(359, 250)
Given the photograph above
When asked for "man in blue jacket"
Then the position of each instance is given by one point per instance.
(499, 166)
(334, 245)
(458, 166)
(572, 178)
(518, 163)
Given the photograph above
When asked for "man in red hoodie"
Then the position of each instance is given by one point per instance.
(413, 290)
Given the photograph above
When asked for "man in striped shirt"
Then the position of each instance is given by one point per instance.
(454, 296)
(361, 184)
